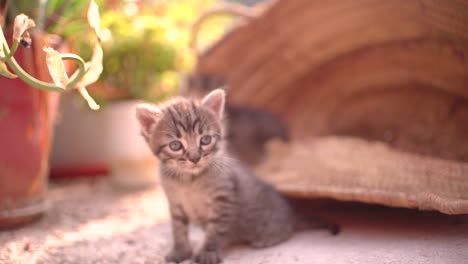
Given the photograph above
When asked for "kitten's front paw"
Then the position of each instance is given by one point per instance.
(178, 255)
(208, 257)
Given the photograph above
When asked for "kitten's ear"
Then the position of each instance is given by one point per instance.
(148, 116)
(215, 101)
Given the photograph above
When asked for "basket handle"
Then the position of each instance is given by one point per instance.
(232, 9)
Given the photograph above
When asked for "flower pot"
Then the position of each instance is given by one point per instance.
(26, 118)
(87, 128)
(106, 142)
(132, 164)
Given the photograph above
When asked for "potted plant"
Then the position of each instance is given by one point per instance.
(145, 47)
(29, 90)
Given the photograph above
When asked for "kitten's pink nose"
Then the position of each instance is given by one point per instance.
(194, 158)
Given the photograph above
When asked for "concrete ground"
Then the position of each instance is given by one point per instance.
(91, 222)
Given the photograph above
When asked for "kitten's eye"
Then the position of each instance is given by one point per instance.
(175, 145)
(205, 140)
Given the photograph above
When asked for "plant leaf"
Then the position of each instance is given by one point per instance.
(21, 24)
(5, 72)
(93, 17)
(56, 67)
(93, 67)
(2, 52)
(91, 103)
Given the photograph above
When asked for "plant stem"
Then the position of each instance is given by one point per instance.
(81, 68)
(3, 43)
(41, 15)
(44, 85)
(27, 78)
(12, 51)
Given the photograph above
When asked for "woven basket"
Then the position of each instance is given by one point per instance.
(349, 74)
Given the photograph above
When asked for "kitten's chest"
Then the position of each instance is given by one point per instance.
(195, 200)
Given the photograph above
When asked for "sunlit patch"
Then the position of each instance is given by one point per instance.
(131, 9)
(105, 35)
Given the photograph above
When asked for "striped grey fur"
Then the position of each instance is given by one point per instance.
(205, 186)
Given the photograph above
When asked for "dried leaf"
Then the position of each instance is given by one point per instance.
(5, 72)
(21, 24)
(56, 67)
(93, 67)
(91, 103)
(2, 52)
(93, 17)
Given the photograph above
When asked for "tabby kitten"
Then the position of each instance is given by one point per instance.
(203, 185)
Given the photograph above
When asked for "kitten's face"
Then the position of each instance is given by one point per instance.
(187, 137)
(183, 134)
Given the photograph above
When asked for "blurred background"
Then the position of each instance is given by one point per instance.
(147, 57)
(352, 100)
(363, 103)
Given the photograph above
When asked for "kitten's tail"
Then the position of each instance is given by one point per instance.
(303, 223)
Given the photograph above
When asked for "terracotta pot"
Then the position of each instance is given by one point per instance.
(26, 118)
